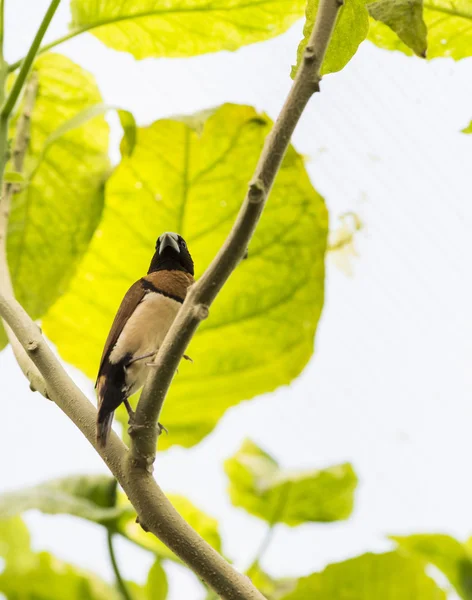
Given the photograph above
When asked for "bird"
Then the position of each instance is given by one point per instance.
(145, 315)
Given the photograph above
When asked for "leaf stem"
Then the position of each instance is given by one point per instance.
(120, 583)
(20, 146)
(9, 103)
(276, 518)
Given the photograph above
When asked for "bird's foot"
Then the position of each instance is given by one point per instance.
(188, 358)
(133, 427)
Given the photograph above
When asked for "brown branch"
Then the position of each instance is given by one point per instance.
(154, 510)
(199, 298)
(131, 468)
(20, 146)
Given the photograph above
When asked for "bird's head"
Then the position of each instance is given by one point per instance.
(171, 254)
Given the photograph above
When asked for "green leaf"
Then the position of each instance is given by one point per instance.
(191, 177)
(444, 552)
(272, 589)
(39, 576)
(14, 539)
(13, 177)
(54, 217)
(156, 586)
(405, 18)
(370, 577)
(127, 121)
(205, 525)
(467, 129)
(189, 27)
(261, 487)
(95, 498)
(351, 29)
(91, 497)
(449, 26)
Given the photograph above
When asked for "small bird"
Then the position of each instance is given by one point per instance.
(141, 323)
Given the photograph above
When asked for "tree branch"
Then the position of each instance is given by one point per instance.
(155, 512)
(28, 61)
(200, 296)
(20, 147)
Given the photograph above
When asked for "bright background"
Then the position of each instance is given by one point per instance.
(390, 385)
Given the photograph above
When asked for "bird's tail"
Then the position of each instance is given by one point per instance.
(104, 421)
(110, 396)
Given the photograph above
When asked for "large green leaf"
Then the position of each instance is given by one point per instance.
(204, 524)
(351, 29)
(54, 217)
(449, 26)
(444, 552)
(261, 487)
(185, 28)
(95, 498)
(369, 577)
(39, 576)
(91, 497)
(191, 178)
(405, 18)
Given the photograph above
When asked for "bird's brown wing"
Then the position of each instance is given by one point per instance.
(132, 298)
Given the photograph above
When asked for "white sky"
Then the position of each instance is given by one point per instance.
(390, 385)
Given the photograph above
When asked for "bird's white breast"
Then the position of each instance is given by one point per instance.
(143, 334)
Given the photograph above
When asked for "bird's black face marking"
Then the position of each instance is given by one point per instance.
(171, 254)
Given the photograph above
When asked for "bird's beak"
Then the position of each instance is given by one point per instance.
(168, 239)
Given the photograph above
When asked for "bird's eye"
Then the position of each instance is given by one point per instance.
(183, 244)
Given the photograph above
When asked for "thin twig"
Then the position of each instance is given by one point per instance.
(202, 294)
(20, 146)
(120, 582)
(28, 61)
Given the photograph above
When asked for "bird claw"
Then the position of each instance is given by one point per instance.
(133, 429)
(188, 358)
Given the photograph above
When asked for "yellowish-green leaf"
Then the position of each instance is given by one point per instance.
(151, 28)
(351, 29)
(91, 497)
(127, 121)
(370, 577)
(405, 18)
(191, 177)
(14, 539)
(451, 557)
(13, 177)
(205, 525)
(54, 217)
(449, 26)
(261, 487)
(39, 576)
(272, 589)
(467, 129)
(156, 585)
